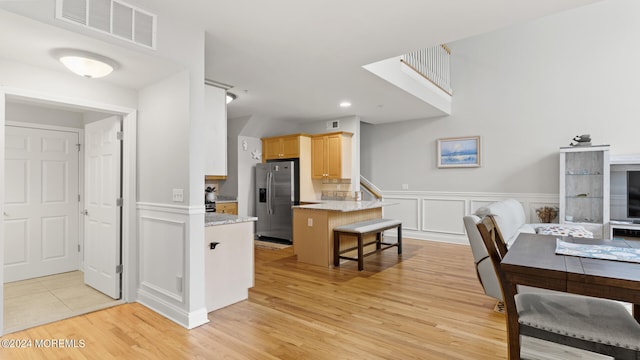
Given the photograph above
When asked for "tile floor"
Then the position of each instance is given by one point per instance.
(38, 301)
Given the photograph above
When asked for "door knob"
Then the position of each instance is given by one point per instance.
(213, 245)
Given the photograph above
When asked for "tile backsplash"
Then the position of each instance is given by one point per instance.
(339, 189)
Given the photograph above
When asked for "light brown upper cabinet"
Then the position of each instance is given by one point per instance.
(281, 147)
(331, 156)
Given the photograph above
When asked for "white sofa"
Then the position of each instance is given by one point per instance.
(511, 220)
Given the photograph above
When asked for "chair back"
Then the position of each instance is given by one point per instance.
(489, 230)
(496, 249)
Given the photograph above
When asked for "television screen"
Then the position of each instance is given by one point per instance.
(633, 194)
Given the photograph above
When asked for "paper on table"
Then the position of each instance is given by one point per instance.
(598, 251)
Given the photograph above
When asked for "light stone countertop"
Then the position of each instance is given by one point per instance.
(344, 206)
(212, 219)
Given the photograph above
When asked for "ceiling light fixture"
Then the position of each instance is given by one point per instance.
(85, 63)
(345, 104)
(231, 97)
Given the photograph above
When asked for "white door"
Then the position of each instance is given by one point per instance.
(102, 212)
(41, 209)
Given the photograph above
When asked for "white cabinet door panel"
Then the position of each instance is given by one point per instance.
(229, 270)
(216, 131)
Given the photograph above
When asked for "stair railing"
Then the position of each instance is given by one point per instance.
(433, 64)
(370, 188)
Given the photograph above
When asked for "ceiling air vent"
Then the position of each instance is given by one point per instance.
(113, 17)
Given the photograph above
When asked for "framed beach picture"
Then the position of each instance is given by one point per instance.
(459, 152)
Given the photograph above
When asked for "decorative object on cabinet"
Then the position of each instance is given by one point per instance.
(546, 214)
(210, 194)
(458, 152)
(581, 140)
(331, 155)
(584, 187)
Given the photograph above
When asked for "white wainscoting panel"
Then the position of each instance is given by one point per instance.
(405, 209)
(441, 213)
(169, 282)
(162, 244)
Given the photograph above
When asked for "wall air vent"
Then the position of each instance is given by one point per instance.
(113, 17)
(333, 124)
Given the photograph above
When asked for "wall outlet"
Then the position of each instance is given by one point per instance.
(405, 186)
(178, 195)
(309, 222)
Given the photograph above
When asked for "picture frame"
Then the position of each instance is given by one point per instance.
(458, 152)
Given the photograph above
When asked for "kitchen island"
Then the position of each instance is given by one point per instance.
(313, 227)
(229, 270)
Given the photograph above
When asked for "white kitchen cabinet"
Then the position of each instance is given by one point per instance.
(229, 269)
(215, 106)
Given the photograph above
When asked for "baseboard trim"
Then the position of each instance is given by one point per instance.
(181, 317)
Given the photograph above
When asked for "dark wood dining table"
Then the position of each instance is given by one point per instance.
(532, 261)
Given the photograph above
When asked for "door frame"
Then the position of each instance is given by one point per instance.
(129, 194)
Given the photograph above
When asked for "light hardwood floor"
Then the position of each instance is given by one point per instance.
(427, 305)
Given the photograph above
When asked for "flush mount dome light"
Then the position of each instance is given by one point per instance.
(345, 104)
(85, 63)
(231, 97)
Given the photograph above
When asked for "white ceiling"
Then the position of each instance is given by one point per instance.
(289, 59)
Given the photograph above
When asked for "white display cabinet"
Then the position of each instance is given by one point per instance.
(584, 188)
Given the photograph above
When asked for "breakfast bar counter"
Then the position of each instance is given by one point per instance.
(313, 227)
(343, 206)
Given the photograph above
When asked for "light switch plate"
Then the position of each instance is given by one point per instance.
(178, 195)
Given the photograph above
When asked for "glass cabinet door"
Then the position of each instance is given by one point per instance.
(584, 187)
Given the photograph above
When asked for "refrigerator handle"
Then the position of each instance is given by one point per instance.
(269, 192)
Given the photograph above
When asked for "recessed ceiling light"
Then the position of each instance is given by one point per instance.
(345, 104)
(85, 63)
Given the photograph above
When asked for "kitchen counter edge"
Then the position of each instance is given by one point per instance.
(213, 219)
(344, 206)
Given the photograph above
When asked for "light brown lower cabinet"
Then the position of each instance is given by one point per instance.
(227, 208)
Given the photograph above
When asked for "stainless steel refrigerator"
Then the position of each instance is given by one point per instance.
(276, 192)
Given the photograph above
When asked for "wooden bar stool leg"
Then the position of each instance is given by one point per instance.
(399, 239)
(360, 253)
(336, 249)
(378, 241)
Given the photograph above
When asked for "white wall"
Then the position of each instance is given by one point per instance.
(163, 137)
(40, 115)
(526, 90)
(36, 80)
